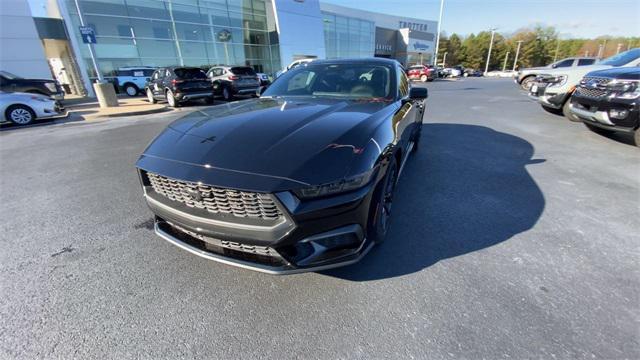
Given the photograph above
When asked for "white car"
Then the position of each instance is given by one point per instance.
(294, 64)
(23, 108)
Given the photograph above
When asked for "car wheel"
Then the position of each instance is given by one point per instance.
(171, 100)
(208, 100)
(598, 130)
(636, 137)
(527, 83)
(20, 114)
(424, 78)
(566, 111)
(131, 90)
(381, 204)
(226, 94)
(150, 97)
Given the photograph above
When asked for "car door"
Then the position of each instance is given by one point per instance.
(405, 119)
(156, 81)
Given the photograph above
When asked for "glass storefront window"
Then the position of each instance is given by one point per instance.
(348, 37)
(141, 32)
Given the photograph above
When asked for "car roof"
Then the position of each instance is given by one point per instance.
(372, 60)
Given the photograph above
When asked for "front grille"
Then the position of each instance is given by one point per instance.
(592, 87)
(216, 200)
(271, 259)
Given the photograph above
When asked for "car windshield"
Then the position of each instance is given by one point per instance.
(622, 58)
(190, 73)
(9, 75)
(415, 67)
(243, 70)
(353, 80)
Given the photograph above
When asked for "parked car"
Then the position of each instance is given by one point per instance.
(24, 108)
(609, 100)
(229, 81)
(177, 84)
(294, 64)
(526, 77)
(421, 72)
(300, 179)
(472, 73)
(133, 79)
(264, 79)
(14, 83)
(560, 83)
(501, 74)
(455, 71)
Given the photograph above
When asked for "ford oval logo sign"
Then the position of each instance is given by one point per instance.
(194, 194)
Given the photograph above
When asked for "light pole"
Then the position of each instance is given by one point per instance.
(504, 66)
(91, 49)
(515, 61)
(555, 57)
(486, 68)
(435, 62)
(444, 59)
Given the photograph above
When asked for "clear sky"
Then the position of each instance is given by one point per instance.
(572, 18)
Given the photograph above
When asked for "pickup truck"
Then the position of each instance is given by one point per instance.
(608, 101)
(526, 77)
(553, 88)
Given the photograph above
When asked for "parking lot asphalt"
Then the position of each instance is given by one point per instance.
(515, 235)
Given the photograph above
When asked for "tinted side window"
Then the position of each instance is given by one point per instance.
(124, 72)
(565, 63)
(583, 62)
(403, 83)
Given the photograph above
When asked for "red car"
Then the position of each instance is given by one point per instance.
(421, 72)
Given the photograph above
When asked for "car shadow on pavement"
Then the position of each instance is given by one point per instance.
(466, 189)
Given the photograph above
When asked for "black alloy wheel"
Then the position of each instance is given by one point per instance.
(383, 201)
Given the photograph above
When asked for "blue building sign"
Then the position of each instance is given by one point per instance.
(88, 35)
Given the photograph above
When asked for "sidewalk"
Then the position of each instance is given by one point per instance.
(89, 109)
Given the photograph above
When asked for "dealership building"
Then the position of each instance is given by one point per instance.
(265, 34)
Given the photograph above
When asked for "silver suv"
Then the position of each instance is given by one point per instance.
(526, 77)
(230, 81)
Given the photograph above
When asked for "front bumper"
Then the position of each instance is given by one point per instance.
(301, 241)
(539, 92)
(596, 111)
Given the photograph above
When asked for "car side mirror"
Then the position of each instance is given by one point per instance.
(261, 90)
(418, 93)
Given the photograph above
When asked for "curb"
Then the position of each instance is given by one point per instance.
(126, 114)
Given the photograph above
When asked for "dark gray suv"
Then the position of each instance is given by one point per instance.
(229, 81)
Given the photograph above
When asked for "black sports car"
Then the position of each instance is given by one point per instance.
(299, 179)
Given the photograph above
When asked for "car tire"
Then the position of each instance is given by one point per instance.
(636, 137)
(566, 111)
(527, 82)
(20, 114)
(131, 90)
(227, 95)
(424, 78)
(208, 100)
(598, 130)
(150, 97)
(380, 212)
(171, 100)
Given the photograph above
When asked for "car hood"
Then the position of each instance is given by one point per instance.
(621, 73)
(301, 141)
(578, 71)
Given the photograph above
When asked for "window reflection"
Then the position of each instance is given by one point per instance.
(171, 32)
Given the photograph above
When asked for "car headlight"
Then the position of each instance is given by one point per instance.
(556, 80)
(624, 89)
(51, 86)
(344, 185)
